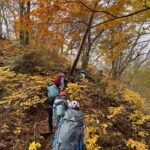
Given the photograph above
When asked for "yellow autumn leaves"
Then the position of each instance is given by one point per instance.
(115, 111)
(133, 98)
(5, 129)
(136, 145)
(76, 92)
(92, 135)
(34, 146)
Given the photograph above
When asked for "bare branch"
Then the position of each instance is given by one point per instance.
(143, 41)
(97, 11)
(121, 17)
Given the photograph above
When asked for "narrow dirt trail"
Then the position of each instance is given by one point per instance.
(38, 125)
(42, 130)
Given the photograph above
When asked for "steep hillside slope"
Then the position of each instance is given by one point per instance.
(113, 114)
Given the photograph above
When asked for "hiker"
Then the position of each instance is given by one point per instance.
(70, 134)
(82, 74)
(59, 107)
(59, 81)
(53, 92)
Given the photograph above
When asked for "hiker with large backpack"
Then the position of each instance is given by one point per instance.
(59, 108)
(70, 134)
(53, 92)
(59, 81)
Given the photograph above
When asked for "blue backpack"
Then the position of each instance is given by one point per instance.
(52, 91)
(59, 108)
(70, 132)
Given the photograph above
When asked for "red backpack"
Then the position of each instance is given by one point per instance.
(57, 80)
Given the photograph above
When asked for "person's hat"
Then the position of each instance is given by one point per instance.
(63, 93)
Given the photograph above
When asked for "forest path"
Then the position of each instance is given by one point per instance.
(39, 127)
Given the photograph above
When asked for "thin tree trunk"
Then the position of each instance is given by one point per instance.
(1, 27)
(86, 55)
(6, 23)
(26, 42)
(21, 6)
(82, 44)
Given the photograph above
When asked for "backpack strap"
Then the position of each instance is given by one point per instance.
(59, 103)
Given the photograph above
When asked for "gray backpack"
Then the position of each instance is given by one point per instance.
(69, 134)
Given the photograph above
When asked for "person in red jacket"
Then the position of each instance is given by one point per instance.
(59, 81)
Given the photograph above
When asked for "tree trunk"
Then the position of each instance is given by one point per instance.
(6, 23)
(26, 42)
(82, 44)
(21, 6)
(114, 71)
(1, 27)
(86, 54)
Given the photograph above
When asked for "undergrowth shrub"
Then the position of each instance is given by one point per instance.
(114, 89)
(26, 63)
(133, 98)
(115, 111)
(136, 145)
(76, 91)
(48, 59)
(92, 130)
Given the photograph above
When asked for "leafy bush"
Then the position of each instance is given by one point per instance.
(136, 145)
(92, 135)
(76, 92)
(48, 59)
(26, 63)
(114, 88)
(133, 98)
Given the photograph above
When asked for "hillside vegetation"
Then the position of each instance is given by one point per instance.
(113, 114)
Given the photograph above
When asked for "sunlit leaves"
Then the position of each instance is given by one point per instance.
(91, 132)
(76, 92)
(34, 146)
(17, 130)
(138, 118)
(133, 98)
(4, 128)
(136, 145)
(114, 111)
